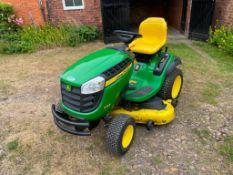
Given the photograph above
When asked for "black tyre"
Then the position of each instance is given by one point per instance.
(172, 85)
(94, 124)
(120, 134)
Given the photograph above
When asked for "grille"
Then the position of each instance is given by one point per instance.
(108, 74)
(79, 102)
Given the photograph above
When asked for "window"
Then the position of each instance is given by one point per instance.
(73, 4)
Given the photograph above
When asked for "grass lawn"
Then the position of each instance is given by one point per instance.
(198, 141)
(224, 60)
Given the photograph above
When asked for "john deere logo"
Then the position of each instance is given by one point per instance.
(68, 88)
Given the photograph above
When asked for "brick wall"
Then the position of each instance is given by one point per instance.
(91, 14)
(28, 9)
(223, 12)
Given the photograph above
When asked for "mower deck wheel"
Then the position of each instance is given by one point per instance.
(120, 134)
(149, 125)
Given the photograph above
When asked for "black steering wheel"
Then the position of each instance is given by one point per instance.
(126, 36)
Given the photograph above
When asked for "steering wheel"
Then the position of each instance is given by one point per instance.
(126, 36)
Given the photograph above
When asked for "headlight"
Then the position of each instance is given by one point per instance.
(94, 85)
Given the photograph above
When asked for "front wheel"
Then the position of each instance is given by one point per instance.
(120, 134)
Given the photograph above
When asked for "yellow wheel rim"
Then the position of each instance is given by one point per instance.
(127, 136)
(176, 87)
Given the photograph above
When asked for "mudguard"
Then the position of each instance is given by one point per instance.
(173, 65)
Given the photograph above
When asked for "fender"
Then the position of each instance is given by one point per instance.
(160, 67)
(173, 65)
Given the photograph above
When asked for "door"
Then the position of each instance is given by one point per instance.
(115, 16)
(183, 18)
(201, 18)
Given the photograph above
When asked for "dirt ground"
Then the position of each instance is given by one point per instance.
(30, 143)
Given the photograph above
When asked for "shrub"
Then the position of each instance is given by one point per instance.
(32, 38)
(17, 47)
(83, 34)
(45, 37)
(49, 36)
(9, 23)
(17, 39)
(222, 37)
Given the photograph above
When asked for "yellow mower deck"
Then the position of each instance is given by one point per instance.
(159, 117)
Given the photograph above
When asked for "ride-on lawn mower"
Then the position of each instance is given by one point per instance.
(138, 82)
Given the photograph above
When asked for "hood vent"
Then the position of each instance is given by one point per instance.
(108, 74)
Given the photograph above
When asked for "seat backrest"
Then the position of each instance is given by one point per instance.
(154, 28)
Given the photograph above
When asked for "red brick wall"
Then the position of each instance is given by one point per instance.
(223, 12)
(28, 9)
(91, 14)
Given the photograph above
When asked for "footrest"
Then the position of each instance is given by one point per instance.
(141, 92)
(154, 103)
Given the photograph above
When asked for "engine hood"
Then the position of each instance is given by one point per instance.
(92, 65)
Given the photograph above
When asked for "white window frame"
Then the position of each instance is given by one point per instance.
(73, 7)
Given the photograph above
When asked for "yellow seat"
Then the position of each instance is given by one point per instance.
(154, 36)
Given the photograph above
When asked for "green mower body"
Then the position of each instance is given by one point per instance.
(95, 65)
(138, 82)
(88, 68)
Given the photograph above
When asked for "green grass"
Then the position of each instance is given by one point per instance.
(195, 62)
(210, 92)
(191, 60)
(156, 159)
(113, 168)
(203, 134)
(184, 51)
(13, 145)
(226, 149)
(47, 158)
(4, 87)
(121, 170)
(50, 133)
(224, 60)
(105, 171)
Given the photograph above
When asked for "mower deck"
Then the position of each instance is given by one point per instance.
(156, 110)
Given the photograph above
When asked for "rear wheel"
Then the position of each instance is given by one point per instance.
(120, 134)
(172, 86)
